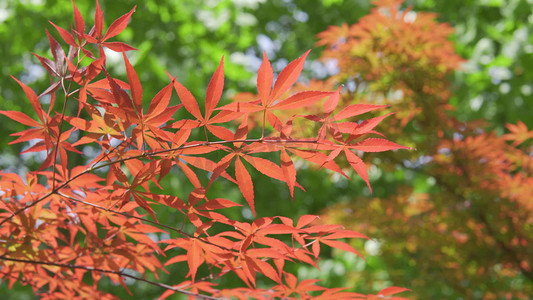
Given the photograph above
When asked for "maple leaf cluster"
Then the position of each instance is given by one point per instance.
(396, 54)
(63, 229)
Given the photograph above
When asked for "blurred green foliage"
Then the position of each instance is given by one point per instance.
(495, 36)
(188, 37)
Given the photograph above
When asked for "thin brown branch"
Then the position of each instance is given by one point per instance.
(120, 273)
(154, 153)
(143, 219)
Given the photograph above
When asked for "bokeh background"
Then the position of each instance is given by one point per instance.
(188, 37)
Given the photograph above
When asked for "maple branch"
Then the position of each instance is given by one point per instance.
(90, 169)
(26, 207)
(261, 140)
(155, 153)
(58, 188)
(143, 219)
(120, 273)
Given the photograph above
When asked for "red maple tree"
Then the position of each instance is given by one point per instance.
(477, 199)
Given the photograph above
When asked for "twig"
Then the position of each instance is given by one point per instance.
(120, 273)
(155, 153)
(143, 219)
